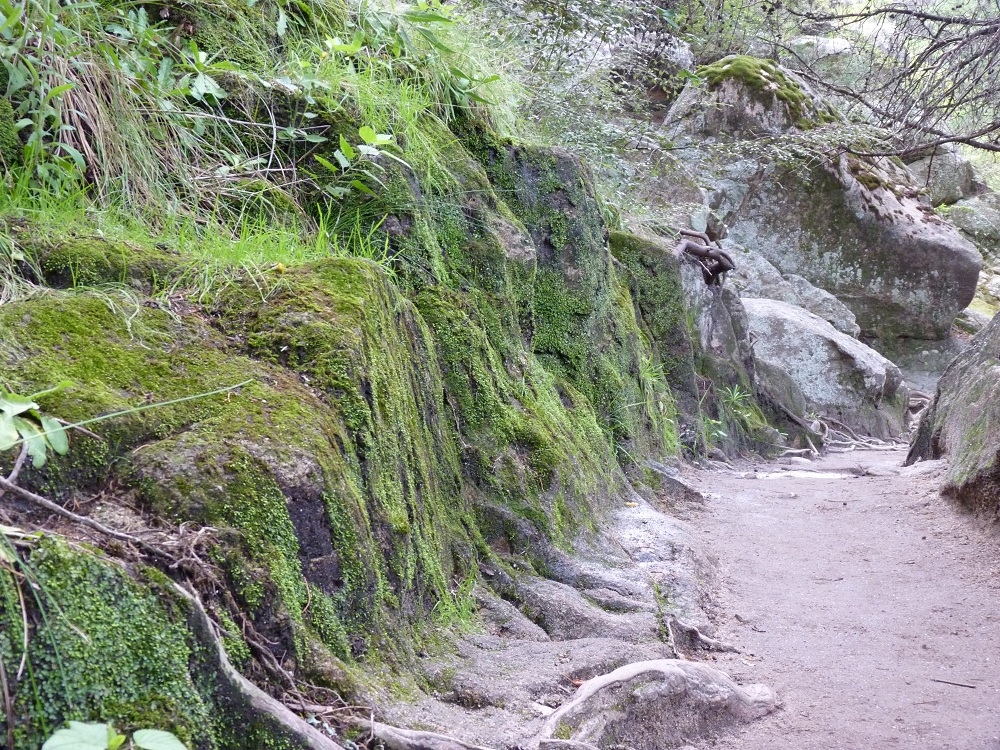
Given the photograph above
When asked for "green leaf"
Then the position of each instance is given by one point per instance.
(57, 91)
(55, 434)
(367, 135)
(346, 148)
(156, 739)
(115, 740)
(79, 736)
(38, 448)
(344, 162)
(282, 23)
(416, 16)
(8, 433)
(14, 404)
(362, 187)
(434, 41)
(204, 85)
(326, 164)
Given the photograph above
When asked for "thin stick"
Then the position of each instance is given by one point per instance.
(18, 464)
(956, 684)
(83, 520)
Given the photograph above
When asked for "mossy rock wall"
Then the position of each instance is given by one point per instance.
(583, 325)
(392, 419)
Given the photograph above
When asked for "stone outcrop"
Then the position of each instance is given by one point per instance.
(837, 375)
(947, 176)
(963, 424)
(755, 277)
(979, 220)
(855, 227)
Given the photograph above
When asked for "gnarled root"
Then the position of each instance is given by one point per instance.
(242, 696)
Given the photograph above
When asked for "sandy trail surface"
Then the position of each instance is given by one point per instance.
(859, 595)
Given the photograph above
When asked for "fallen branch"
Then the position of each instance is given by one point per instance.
(16, 471)
(956, 684)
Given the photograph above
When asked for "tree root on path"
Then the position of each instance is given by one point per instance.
(679, 694)
(242, 695)
(395, 738)
(692, 638)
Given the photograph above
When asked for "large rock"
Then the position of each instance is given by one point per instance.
(860, 231)
(979, 220)
(856, 227)
(963, 423)
(755, 277)
(948, 177)
(838, 375)
(836, 59)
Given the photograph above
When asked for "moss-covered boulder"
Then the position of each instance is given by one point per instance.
(747, 96)
(963, 424)
(70, 261)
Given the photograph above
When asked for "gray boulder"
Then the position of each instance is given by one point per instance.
(858, 228)
(948, 176)
(837, 375)
(979, 220)
(963, 423)
(755, 277)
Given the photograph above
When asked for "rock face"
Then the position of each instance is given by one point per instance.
(837, 375)
(854, 227)
(979, 220)
(391, 429)
(756, 278)
(948, 176)
(963, 423)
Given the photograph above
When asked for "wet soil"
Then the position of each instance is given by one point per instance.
(868, 602)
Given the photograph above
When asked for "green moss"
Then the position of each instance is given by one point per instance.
(106, 650)
(764, 78)
(69, 262)
(11, 151)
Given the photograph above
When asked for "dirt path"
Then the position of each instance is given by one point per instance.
(853, 596)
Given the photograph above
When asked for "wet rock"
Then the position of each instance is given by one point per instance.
(837, 375)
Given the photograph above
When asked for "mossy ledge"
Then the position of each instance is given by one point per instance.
(393, 428)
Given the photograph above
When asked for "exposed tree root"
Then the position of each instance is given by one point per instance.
(692, 638)
(9, 486)
(395, 738)
(243, 695)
